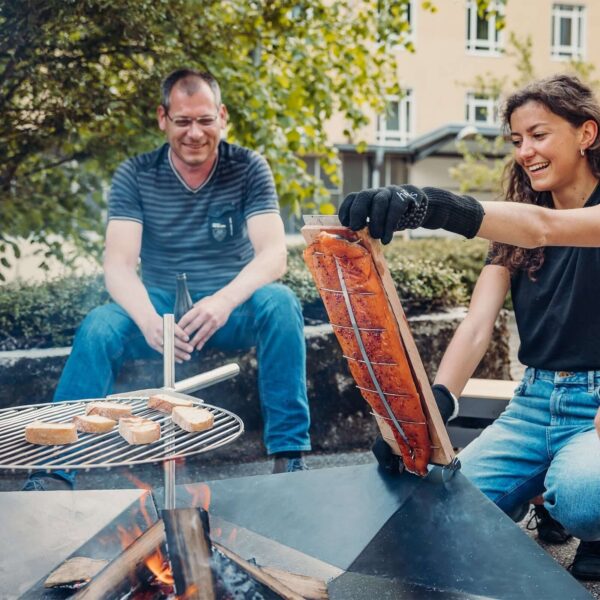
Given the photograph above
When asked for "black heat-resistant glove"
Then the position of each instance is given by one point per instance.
(391, 462)
(398, 207)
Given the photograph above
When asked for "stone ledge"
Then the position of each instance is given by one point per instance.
(340, 416)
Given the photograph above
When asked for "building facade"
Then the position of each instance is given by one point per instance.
(455, 52)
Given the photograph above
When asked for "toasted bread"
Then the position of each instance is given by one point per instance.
(137, 430)
(166, 403)
(110, 410)
(192, 419)
(93, 423)
(50, 434)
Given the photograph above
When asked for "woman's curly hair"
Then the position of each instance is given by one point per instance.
(569, 98)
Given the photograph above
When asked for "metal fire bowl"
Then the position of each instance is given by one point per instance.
(106, 450)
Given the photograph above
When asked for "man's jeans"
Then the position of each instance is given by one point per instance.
(544, 441)
(271, 320)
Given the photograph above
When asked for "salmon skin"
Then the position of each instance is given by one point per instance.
(330, 259)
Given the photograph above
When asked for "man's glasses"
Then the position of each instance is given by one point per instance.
(185, 122)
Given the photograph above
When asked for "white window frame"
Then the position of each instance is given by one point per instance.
(475, 100)
(493, 45)
(576, 14)
(406, 116)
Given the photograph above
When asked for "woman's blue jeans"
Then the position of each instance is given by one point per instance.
(544, 442)
(271, 320)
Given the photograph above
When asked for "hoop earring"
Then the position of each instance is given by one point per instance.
(582, 151)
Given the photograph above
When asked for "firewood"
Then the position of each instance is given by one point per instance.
(74, 570)
(308, 587)
(189, 552)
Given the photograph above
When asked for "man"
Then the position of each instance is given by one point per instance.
(207, 208)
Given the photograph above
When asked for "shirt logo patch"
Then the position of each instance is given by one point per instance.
(218, 231)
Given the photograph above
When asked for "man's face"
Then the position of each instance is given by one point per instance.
(193, 143)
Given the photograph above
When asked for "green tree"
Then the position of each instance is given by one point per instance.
(79, 85)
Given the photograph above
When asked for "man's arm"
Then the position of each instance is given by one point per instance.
(597, 422)
(121, 255)
(267, 236)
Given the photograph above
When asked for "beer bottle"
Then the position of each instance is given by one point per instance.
(183, 300)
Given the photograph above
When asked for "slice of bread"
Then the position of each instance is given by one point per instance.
(192, 419)
(93, 423)
(110, 410)
(166, 403)
(50, 434)
(137, 430)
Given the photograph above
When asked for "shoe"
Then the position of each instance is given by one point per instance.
(586, 564)
(42, 482)
(289, 465)
(548, 529)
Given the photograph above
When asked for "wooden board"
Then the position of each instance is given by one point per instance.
(442, 452)
(490, 389)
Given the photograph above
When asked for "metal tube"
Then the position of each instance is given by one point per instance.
(203, 380)
(169, 382)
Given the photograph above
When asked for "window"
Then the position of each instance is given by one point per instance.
(483, 37)
(396, 125)
(568, 29)
(482, 109)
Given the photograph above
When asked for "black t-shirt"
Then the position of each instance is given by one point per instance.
(558, 315)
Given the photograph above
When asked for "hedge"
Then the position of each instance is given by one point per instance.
(430, 274)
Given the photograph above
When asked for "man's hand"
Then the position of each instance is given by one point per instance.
(390, 462)
(385, 210)
(204, 318)
(597, 422)
(153, 334)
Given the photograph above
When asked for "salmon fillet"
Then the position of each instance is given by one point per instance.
(326, 257)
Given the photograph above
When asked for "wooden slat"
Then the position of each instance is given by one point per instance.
(489, 389)
(442, 452)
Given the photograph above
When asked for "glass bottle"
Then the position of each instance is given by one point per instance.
(183, 300)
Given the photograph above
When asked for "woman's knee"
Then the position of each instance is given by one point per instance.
(574, 504)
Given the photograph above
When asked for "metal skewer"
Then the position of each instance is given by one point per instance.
(366, 359)
(169, 383)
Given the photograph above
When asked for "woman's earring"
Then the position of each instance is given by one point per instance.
(582, 151)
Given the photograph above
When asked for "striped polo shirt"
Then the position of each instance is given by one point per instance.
(201, 232)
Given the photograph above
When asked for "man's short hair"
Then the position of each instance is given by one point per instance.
(190, 80)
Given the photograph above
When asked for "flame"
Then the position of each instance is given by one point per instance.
(155, 562)
(160, 567)
(200, 493)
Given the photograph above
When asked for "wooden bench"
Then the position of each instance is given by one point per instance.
(482, 401)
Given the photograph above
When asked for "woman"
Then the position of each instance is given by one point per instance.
(546, 250)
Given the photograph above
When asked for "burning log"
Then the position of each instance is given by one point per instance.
(189, 551)
(200, 570)
(108, 583)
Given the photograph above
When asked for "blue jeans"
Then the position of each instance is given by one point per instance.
(544, 442)
(271, 320)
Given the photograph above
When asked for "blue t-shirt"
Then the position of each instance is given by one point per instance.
(199, 232)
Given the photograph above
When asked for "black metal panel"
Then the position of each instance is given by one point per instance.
(331, 514)
(402, 536)
(451, 537)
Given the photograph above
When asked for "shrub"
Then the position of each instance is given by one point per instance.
(47, 314)
(430, 274)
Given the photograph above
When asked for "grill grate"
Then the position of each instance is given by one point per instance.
(105, 450)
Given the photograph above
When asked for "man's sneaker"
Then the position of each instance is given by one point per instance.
(289, 465)
(548, 529)
(40, 482)
(586, 564)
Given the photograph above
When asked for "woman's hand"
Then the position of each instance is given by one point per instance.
(597, 422)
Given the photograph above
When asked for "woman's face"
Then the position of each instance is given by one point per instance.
(548, 148)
